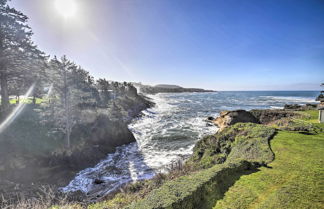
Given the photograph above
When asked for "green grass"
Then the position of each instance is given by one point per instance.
(313, 118)
(242, 141)
(27, 101)
(296, 179)
(313, 115)
(198, 190)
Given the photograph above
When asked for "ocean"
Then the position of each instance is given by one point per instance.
(167, 133)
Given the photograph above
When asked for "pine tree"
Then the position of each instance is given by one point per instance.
(73, 91)
(18, 54)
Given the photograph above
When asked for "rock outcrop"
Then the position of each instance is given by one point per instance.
(267, 116)
(228, 118)
(298, 107)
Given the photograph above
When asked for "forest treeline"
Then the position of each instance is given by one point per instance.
(59, 85)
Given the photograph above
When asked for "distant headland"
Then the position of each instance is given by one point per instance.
(166, 88)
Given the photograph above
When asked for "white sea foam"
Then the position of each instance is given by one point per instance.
(290, 99)
(166, 133)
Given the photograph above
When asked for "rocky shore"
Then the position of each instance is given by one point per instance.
(241, 147)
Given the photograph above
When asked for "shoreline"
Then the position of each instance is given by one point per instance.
(166, 166)
(266, 120)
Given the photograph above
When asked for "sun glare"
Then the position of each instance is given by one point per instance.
(66, 8)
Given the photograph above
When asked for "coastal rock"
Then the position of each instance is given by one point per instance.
(268, 116)
(210, 118)
(98, 181)
(292, 106)
(228, 118)
(297, 107)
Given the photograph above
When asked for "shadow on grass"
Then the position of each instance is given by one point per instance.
(223, 184)
(306, 133)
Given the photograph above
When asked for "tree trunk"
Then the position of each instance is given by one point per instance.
(4, 92)
(67, 109)
(68, 134)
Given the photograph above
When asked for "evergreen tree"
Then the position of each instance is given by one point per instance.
(72, 92)
(19, 56)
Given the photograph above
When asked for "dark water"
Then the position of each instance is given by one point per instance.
(169, 131)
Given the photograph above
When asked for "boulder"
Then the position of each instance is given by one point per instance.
(210, 118)
(98, 181)
(228, 118)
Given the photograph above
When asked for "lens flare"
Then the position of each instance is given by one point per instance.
(14, 114)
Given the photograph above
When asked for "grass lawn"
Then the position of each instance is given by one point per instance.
(27, 101)
(296, 179)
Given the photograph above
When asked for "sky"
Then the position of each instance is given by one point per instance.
(212, 44)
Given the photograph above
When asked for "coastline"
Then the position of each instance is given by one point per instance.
(142, 169)
(177, 170)
(169, 163)
(156, 196)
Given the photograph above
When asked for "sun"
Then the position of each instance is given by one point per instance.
(66, 8)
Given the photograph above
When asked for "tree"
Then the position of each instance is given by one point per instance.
(83, 83)
(16, 87)
(73, 90)
(18, 54)
(104, 87)
(63, 107)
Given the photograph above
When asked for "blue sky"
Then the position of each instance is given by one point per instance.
(214, 44)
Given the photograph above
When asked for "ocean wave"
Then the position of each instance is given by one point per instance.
(290, 99)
